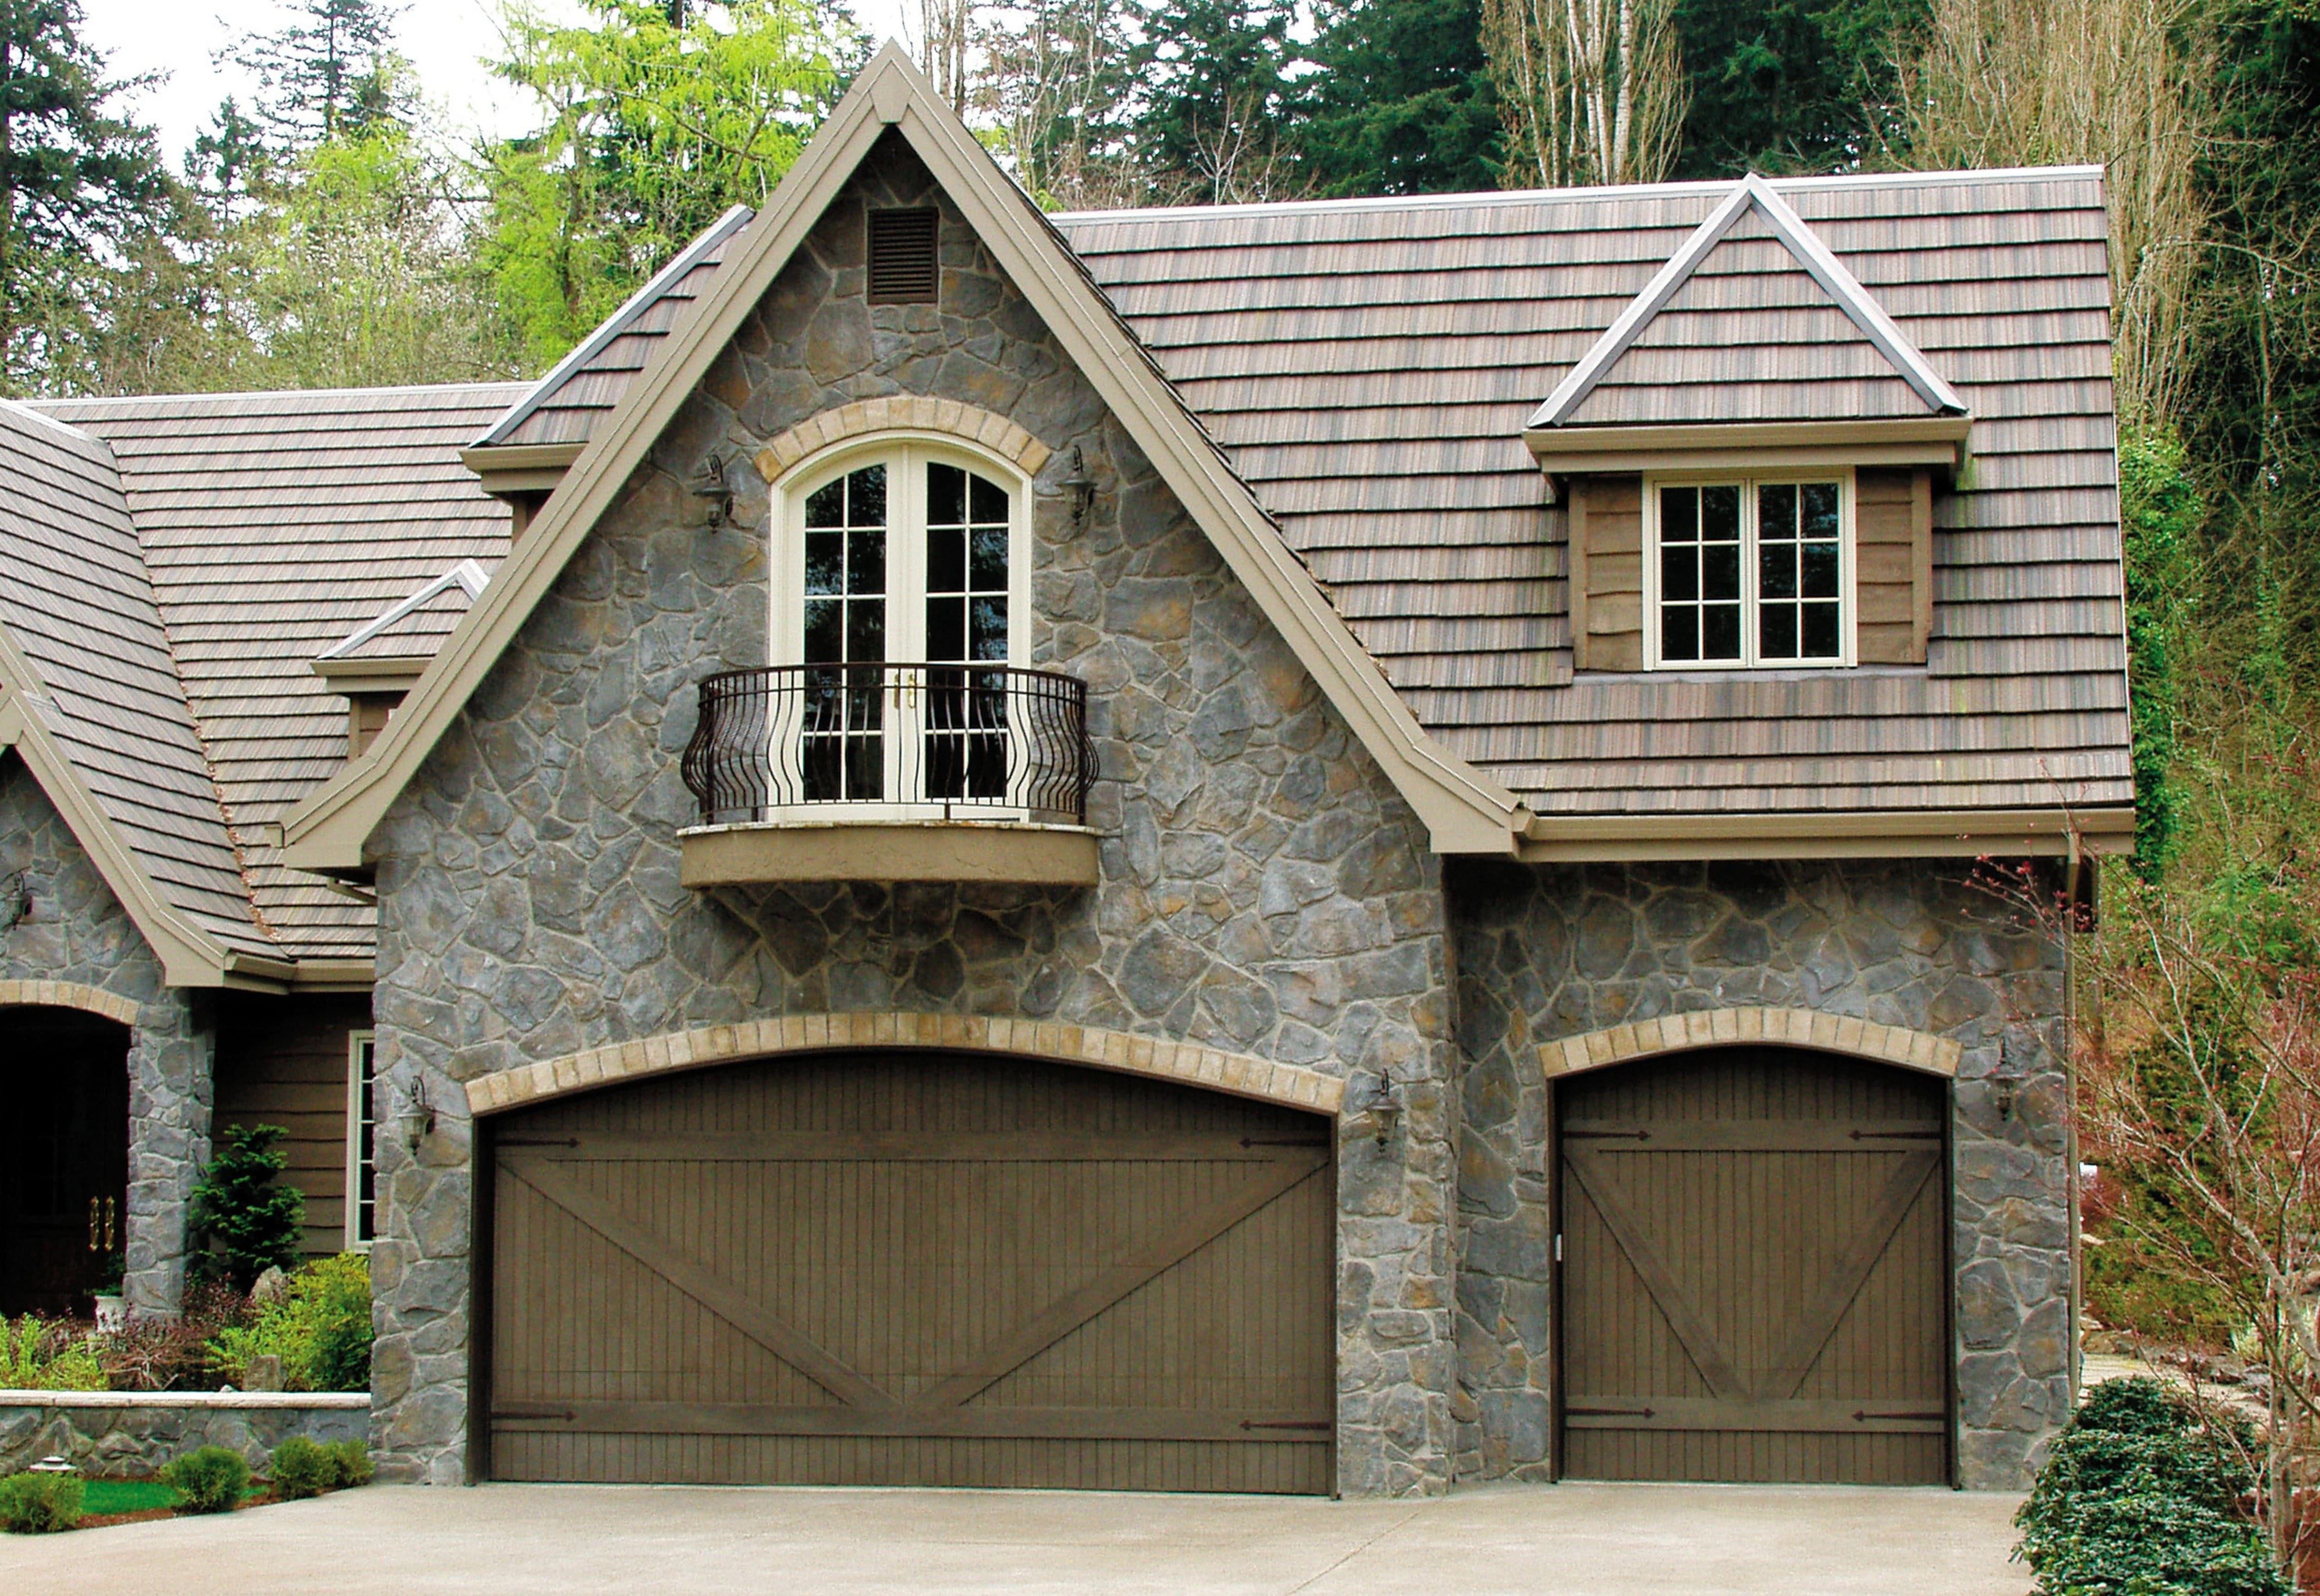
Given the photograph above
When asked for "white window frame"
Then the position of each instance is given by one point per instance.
(1748, 482)
(906, 454)
(362, 1137)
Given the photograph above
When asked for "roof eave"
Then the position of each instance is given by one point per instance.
(1903, 441)
(1943, 833)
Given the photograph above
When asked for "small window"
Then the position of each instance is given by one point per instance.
(362, 1143)
(903, 268)
(1751, 572)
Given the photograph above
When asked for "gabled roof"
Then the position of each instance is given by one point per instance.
(1751, 320)
(1369, 368)
(92, 702)
(580, 388)
(1465, 811)
(255, 531)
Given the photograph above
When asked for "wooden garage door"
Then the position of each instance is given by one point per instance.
(912, 1269)
(1753, 1283)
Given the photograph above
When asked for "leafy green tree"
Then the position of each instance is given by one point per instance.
(2159, 514)
(1787, 85)
(659, 117)
(1402, 103)
(252, 1224)
(77, 179)
(331, 73)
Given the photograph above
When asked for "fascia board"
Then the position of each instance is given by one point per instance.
(1732, 435)
(1968, 833)
(1463, 812)
(189, 955)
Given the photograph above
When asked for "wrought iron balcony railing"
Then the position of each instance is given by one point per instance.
(986, 741)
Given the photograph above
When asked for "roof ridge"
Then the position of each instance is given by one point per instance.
(1700, 187)
(1750, 195)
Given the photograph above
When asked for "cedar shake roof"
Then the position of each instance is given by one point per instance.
(270, 526)
(1369, 368)
(79, 603)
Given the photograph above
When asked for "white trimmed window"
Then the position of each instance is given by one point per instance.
(362, 1139)
(1748, 571)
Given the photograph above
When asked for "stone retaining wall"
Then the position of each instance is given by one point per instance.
(130, 1434)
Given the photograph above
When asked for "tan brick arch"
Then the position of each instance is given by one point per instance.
(1712, 1028)
(903, 413)
(1238, 1073)
(69, 995)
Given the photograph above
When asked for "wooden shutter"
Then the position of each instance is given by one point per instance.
(1606, 572)
(1893, 565)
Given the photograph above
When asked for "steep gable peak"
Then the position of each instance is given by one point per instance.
(1752, 211)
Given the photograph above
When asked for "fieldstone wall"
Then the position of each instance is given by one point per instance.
(76, 930)
(1264, 889)
(129, 1435)
(1551, 952)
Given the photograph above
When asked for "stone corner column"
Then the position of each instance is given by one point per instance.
(171, 1053)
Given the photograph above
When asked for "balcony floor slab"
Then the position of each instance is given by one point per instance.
(1016, 852)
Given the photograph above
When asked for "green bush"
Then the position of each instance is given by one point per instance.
(301, 1468)
(45, 1355)
(35, 1504)
(2140, 1499)
(250, 1223)
(321, 1330)
(211, 1479)
(353, 1459)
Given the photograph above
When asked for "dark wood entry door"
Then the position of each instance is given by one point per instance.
(906, 1269)
(1755, 1277)
(64, 1157)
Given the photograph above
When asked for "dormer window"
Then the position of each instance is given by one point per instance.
(1749, 571)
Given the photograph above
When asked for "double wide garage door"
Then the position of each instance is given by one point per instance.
(1754, 1283)
(908, 1269)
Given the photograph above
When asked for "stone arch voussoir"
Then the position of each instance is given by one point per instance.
(1715, 1028)
(1238, 1073)
(69, 994)
(913, 413)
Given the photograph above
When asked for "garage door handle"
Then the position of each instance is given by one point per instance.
(537, 1141)
(1615, 1412)
(1863, 1416)
(1896, 1135)
(1284, 1424)
(1607, 1136)
(564, 1415)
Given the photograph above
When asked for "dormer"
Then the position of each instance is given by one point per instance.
(1750, 454)
(374, 666)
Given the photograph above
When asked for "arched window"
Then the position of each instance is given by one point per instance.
(902, 567)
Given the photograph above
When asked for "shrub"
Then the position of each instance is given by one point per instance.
(321, 1330)
(38, 1353)
(35, 1504)
(2140, 1496)
(250, 1222)
(172, 1353)
(301, 1468)
(353, 1459)
(211, 1479)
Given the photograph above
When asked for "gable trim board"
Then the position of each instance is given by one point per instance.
(1464, 812)
(1751, 193)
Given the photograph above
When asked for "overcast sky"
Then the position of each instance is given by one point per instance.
(446, 38)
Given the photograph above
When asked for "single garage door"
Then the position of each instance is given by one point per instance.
(1755, 1276)
(912, 1269)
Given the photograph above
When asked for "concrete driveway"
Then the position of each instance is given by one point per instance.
(1601, 1540)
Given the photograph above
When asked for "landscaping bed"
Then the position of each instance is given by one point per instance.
(50, 1497)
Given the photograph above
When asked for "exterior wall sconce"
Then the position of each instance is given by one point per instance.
(714, 481)
(2002, 1094)
(1381, 1110)
(1081, 486)
(15, 901)
(418, 1117)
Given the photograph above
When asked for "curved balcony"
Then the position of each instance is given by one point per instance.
(890, 772)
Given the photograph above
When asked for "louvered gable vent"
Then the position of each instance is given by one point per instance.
(902, 269)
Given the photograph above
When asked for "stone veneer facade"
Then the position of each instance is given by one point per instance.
(75, 931)
(1548, 953)
(1268, 905)
(1265, 891)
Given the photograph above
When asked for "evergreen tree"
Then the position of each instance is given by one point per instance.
(1215, 75)
(78, 182)
(1787, 85)
(331, 74)
(1403, 103)
(250, 1222)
